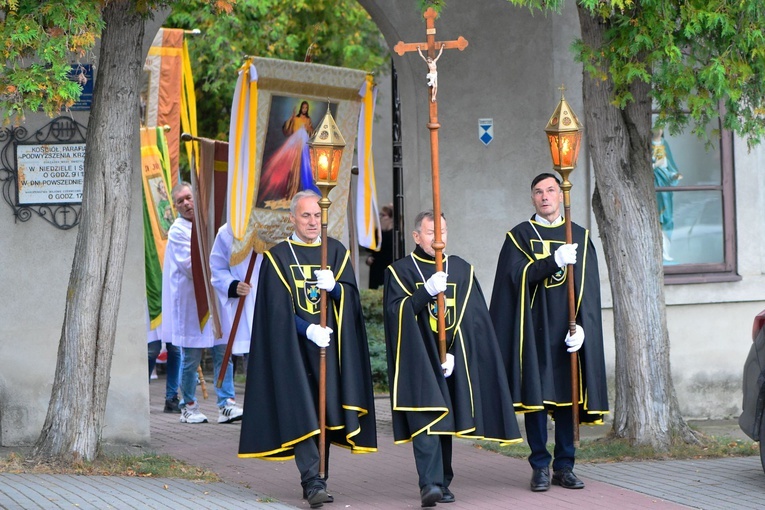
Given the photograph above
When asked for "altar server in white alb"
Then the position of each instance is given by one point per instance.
(229, 278)
(180, 320)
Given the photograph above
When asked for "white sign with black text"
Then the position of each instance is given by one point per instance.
(50, 173)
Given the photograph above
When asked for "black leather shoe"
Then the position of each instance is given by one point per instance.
(446, 496)
(318, 496)
(567, 479)
(540, 480)
(330, 500)
(172, 405)
(430, 495)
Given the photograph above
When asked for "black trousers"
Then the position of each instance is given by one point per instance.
(307, 461)
(536, 434)
(433, 458)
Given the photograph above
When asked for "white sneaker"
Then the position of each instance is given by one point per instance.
(229, 413)
(192, 414)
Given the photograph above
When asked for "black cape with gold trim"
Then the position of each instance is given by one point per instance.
(529, 308)
(281, 393)
(479, 404)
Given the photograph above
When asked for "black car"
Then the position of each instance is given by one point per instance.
(750, 420)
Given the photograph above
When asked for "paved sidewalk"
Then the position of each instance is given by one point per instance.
(383, 480)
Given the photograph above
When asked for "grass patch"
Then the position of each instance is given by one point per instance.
(619, 450)
(148, 465)
(371, 306)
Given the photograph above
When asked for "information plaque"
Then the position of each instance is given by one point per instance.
(50, 173)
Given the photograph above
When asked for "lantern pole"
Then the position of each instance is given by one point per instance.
(564, 134)
(324, 204)
(574, 357)
(326, 150)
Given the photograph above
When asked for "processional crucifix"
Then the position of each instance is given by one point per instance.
(432, 81)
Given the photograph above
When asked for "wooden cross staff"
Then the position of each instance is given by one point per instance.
(432, 45)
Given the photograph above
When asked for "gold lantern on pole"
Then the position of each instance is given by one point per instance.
(564, 137)
(326, 151)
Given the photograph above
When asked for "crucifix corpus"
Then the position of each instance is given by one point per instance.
(431, 45)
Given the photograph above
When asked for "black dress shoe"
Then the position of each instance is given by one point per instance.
(330, 500)
(430, 495)
(172, 405)
(567, 479)
(446, 496)
(317, 497)
(540, 480)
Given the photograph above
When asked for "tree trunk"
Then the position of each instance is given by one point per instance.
(646, 410)
(72, 429)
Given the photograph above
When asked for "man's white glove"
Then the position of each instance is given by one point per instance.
(325, 279)
(318, 335)
(575, 342)
(448, 365)
(566, 254)
(436, 283)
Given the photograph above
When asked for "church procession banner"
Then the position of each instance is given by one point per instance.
(367, 213)
(158, 215)
(209, 182)
(287, 100)
(170, 98)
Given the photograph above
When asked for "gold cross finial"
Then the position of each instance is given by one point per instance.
(562, 89)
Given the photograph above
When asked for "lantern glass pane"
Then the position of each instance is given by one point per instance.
(337, 155)
(312, 152)
(567, 149)
(554, 152)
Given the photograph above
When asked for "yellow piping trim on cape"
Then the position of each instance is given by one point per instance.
(360, 410)
(458, 331)
(284, 447)
(279, 274)
(395, 405)
(523, 303)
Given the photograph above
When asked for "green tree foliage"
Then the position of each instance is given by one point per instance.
(371, 307)
(40, 42)
(339, 33)
(696, 55)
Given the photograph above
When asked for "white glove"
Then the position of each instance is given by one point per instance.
(448, 365)
(318, 335)
(575, 342)
(566, 254)
(436, 283)
(325, 279)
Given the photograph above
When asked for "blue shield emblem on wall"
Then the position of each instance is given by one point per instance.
(486, 130)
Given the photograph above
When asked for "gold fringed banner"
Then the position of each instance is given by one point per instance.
(291, 98)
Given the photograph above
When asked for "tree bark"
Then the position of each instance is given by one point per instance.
(72, 429)
(646, 410)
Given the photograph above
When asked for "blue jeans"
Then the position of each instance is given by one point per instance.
(153, 349)
(191, 358)
(173, 366)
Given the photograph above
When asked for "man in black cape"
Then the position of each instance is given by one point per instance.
(529, 308)
(280, 418)
(468, 395)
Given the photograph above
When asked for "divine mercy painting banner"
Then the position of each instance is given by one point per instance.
(292, 98)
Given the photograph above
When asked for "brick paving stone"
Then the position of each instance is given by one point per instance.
(383, 480)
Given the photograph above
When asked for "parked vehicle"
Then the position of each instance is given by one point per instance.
(751, 418)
